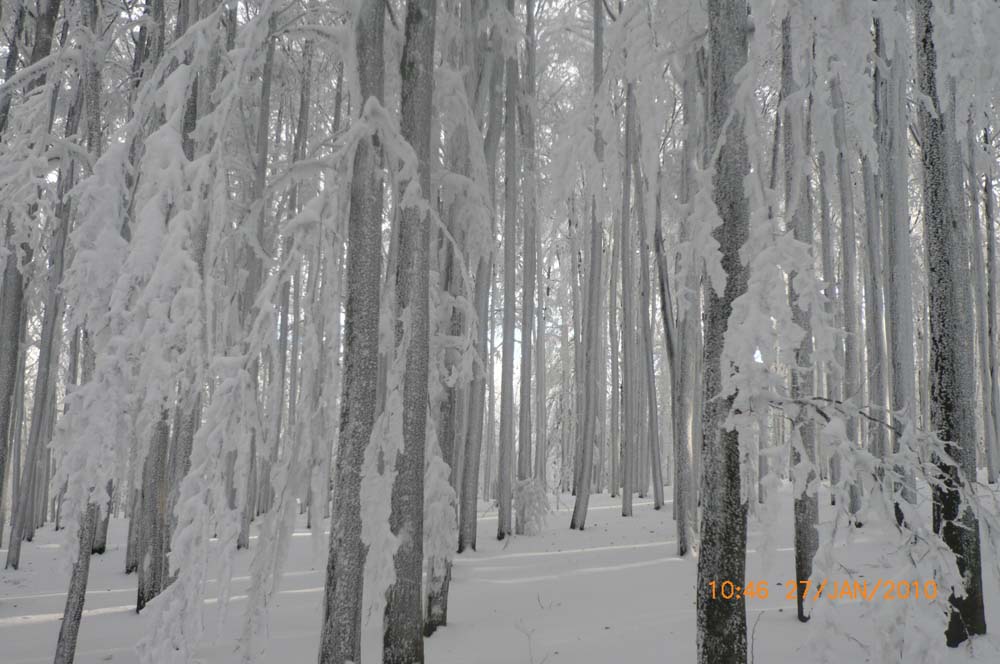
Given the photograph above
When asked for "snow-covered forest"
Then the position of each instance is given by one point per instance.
(458, 331)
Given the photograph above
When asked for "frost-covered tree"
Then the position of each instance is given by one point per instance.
(950, 319)
(511, 176)
(722, 633)
(402, 641)
(340, 640)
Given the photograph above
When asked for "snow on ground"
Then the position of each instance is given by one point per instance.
(613, 593)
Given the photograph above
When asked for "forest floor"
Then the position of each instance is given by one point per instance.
(615, 593)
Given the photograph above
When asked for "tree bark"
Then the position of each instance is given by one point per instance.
(722, 633)
(950, 316)
(152, 522)
(340, 641)
(402, 640)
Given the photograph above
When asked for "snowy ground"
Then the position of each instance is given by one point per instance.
(614, 593)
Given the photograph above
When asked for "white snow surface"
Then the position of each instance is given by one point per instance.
(614, 593)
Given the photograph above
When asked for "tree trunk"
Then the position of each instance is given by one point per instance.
(340, 641)
(506, 456)
(953, 397)
(255, 277)
(152, 522)
(646, 334)
(629, 406)
(75, 596)
(132, 538)
(877, 354)
(484, 278)
(982, 322)
(586, 441)
(722, 630)
(991, 295)
(402, 640)
(682, 459)
(100, 543)
(896, 228)
(529, 258)
(798, 205)
(615, 426)
(830, 384)
(848, 276)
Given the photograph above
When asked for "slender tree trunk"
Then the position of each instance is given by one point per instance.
(896, 227)
(541, 389)
(722, 632)
(506, 457)
(576, 283)
(682, 459)
(529, 258)
(831, 384)
(484, 278)
(991, 295)
(340, 641)
(615, 426)
(491, 420)
(646, 334)
(877, 354)
(16, 428)
(630, 438)
(953, 397)
(848, 277)
(402, 640)
(88, 539)
(982, 322)
(255, 274)
(798, 205)
(132, 538)
(69, 629)
(567, 395)
(586, 441)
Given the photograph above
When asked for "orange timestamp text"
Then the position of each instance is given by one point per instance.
(863, 590)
